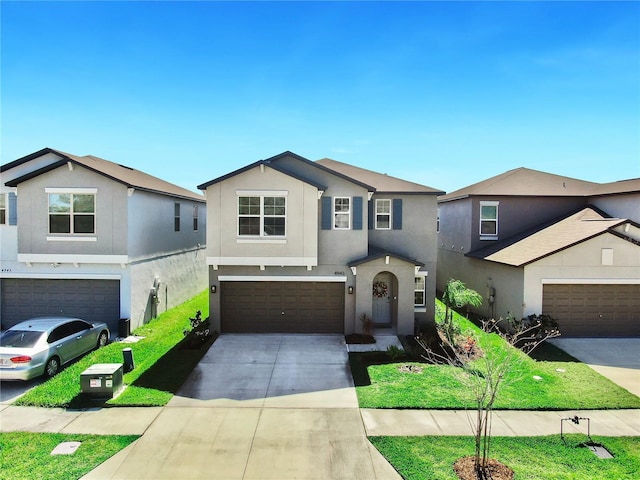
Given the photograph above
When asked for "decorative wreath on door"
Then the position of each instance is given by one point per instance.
(380, 289)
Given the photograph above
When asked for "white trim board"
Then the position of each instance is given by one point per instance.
(63, 276)
(72, 258)
(281, 278)
(589, 281)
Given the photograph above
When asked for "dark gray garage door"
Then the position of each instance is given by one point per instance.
(594, 310)
(282, 307)
(93, 300)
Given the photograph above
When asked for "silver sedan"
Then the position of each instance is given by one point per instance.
(42, 345)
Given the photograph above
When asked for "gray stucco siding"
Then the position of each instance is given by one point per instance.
(110, 214)
(151, 224)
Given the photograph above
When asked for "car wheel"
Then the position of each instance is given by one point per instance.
(102, 339)
(52, 367)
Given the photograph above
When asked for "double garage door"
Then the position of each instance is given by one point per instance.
(92, 300)
(282, 307)
(594, 310)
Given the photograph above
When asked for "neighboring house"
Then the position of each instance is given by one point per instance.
(82, 236)
(302, 246)
(532, 242)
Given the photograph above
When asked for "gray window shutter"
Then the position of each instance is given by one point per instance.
(13, 209)
(325, 223)
(357, 213)
(397, 214)
(371, 207)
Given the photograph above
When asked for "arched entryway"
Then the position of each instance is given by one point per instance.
(384, 294)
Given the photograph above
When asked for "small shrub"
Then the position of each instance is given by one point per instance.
(367, 324)
(394, 352)
(200, 331)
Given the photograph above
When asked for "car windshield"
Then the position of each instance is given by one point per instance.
(19, 338)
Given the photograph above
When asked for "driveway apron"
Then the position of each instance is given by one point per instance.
(259, 407)
(615, 358)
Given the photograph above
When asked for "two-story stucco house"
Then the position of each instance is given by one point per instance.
(300, 246)
(82, 236)
(532, 242)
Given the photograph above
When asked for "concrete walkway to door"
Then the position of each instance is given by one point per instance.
(259, 407)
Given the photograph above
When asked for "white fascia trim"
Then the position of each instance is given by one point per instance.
(62, 276)
(262, 193)
(590, 281)
(71, 258)
(261, 240)
(70, 190)
(72, 239)
(267, 261)
(280, 278)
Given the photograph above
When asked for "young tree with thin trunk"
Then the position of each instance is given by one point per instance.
(488, 361)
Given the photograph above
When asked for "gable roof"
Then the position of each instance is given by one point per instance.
(375, 252)
(127, 176)
(531, 246)
(381, 182)
(525, 182)
(620, 187)
(268, 163)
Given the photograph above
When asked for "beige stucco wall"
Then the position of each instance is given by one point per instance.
(300, 247)
(582, 263)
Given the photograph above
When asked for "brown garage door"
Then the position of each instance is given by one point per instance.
(594, 310)
(282, 307)
(93, 300)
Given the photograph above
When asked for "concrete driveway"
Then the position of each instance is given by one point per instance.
(618, 359)
(259, 407)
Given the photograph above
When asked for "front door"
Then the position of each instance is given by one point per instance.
(382, 299)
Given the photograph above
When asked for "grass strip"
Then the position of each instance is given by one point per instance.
(161, 364)
(531, 458)
(26, 455)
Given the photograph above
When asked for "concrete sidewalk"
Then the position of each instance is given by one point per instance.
(137, 421)
(282, 412)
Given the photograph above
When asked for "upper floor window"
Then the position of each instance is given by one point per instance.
(419, 300)
(176, 216)
(195, 218)
(3, 209)
(72, 213)
(489, 220)
(438, 221)
(262, 216)
(341, 213)
(383, 214)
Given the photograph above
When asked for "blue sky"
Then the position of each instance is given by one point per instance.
(443, 94)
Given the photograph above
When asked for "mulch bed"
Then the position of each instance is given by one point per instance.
(359, 339)
(465, 469)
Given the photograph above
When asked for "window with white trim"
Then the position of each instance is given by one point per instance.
(72, 213)
(341, 213)
(3, 209)
(419, 291)
(262, 216)
(383, 214)
(489, 220)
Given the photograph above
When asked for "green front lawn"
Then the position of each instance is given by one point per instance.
(161, 365)
(561, 384)
(26, 455)
(531, 458)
